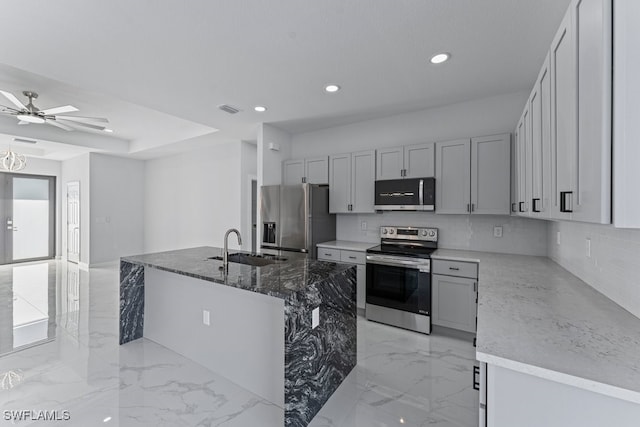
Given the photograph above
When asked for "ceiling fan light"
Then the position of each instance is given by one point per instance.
(30, 118)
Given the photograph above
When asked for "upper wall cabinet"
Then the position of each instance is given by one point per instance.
(314, 170)
(474, 176)
(351, 182)
(491, 175)
(563, 139)
(453, 177)
(410, 161)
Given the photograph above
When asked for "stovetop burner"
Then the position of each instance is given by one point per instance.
(413, 242)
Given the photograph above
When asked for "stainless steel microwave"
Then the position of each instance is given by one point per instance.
(409, 194)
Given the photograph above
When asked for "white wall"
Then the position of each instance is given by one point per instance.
(192, 198)
(270, 161)
(466, 232)
(249, 171)
(614, 266)
(116, 207)
(486, 116)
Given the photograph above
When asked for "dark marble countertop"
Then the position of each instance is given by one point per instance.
(281, 280)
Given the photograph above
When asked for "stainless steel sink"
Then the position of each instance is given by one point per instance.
(256, 260)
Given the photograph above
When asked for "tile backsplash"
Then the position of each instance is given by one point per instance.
(468, 232)
(613, 265)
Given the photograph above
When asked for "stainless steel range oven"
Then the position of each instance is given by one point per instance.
(399, 277)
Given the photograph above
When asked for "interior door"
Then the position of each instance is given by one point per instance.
(28, 202)
(73, 221)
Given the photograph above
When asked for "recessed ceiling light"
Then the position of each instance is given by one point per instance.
(440, 58)
(108, 130)
(260, 108)
(331, 88)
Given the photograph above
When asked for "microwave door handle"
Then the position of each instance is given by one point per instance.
(421, 193)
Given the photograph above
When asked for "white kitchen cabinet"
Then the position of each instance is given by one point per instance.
(491, 175)
(410, 161)
(357, 257)
(454, 294)
(390, 163)
(474, 176)
(540, 124)
(351, 182)
(453, 177)
(626, 133)
(520, 399)
(563, 139)
(523, 154)
(563, 110)
(593, 32)
(313, 170)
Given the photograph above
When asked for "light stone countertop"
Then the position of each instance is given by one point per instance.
(537, 318)
(346, 245)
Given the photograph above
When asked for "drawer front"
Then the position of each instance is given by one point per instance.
(354, 257)
(455, 268)
(329, 254)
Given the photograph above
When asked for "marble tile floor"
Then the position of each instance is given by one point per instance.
(402, 378)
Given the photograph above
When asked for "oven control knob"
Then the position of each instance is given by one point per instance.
(432, 233)
(391, 231)
(424, 232)
(384, 231)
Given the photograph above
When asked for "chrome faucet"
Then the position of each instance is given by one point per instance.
(225, 256)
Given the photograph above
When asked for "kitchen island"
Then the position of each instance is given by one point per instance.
(285, 331)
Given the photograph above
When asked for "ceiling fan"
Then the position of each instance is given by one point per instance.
(29, 113)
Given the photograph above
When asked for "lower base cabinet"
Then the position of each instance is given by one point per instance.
(454, 294)
(353, 257)
(517, 399)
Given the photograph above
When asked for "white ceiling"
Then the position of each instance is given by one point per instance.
(159, 69)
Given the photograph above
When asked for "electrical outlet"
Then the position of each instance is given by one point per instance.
(206, 317)
(558, 237)
(315, 317)
(363, 225)
(588, 247)
(497, 231)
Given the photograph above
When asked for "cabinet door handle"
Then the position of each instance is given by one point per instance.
(476, 374)
(304, 179)
(534, 205)
(352, 257)
(564, 206)
(521, 207)
(514, 207)
(468, 207)
(454, 268)
(473, 207)
(328, 254)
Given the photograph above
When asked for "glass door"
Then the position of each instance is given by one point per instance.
(28, 202)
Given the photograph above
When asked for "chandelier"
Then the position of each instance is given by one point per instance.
(12, 161)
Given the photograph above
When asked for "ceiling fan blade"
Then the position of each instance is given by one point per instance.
(5, 109)
(83, 119)
(80, 126)
(58, 125)
(58, 110)
(15, 101)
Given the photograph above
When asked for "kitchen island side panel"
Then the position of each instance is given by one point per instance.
(131, 301)
(318, 360)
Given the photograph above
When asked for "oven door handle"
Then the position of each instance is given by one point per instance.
(395, 262)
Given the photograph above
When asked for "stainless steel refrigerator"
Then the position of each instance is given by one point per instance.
(296, 217)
